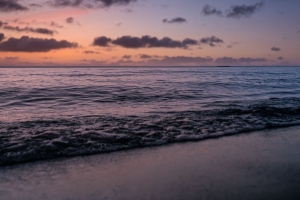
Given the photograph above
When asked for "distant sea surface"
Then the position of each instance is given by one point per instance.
(51, 112)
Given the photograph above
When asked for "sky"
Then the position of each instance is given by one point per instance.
(149, 32)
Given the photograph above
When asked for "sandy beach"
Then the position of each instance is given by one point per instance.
(259, 165)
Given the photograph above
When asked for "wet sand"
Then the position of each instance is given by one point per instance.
(259, 165)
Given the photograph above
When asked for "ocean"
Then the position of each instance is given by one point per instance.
(47, 113)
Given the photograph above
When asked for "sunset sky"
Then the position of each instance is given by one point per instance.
(149, 32)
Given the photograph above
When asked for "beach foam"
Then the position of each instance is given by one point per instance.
(45, 139)
(261, 165)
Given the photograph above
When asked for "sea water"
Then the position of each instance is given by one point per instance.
(59, 112)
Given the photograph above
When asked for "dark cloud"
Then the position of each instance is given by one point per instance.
(244, 10)
(240, 61)
(27, 44)
(65, 3)
(129, 42)
(42, 31)
(108, 3)
(144, 42)
(212, 41)
(126, 57)
(189, 41)
(251, 60)
(102, 41)
(209, 10)
(235, 11)
(280, 58)
(1, 37)
(175, 20)
(275, 49)
(29, 29)
(91, 52)
(43, 23)
(88, 3)
(11, 5)
(70, 20)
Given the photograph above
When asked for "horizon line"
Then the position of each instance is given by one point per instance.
(217, 66)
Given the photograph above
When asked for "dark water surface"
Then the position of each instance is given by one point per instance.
(47, 113)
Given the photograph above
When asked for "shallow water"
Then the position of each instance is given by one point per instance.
(261, 165)
(52, 112)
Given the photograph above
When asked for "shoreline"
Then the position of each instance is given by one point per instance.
(167, 66)
(257, 165)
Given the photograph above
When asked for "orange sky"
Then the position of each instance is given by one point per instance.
(255, 34)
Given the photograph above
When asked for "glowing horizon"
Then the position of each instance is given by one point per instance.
(149, 33)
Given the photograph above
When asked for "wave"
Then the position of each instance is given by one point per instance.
(50, 138)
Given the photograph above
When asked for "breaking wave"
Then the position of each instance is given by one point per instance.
(32, 140)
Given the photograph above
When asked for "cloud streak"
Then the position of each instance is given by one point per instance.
(30, 45)
(166, 61)
(244, 10)
(11, 58)
(65, 3)
(11, 5)
(44, 31)
(275, 49)
(209, 10)
(181, 60)
(88, 3)
(211, 41)
(240, 61)
(178, 20)
(145, 56)
(90, 52)
(235, 11)
(108, 3)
